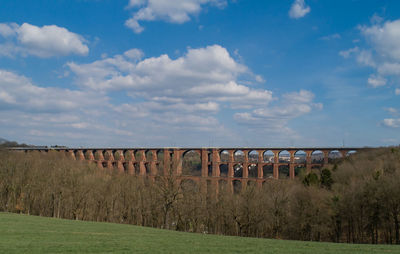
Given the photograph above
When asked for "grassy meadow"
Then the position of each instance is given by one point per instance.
(33, 234)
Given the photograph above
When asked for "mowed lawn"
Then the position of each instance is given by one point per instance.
(32, 234)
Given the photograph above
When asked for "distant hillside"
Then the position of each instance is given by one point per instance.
(2, 141)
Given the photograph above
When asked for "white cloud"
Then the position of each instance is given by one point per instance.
(259, 79)
(365, 58)
(391, 110)
(35, 114)
(173, 11)
(395, 120)
(276, 117)
(383, 54)
(389, 68)
(331, 37)
(188, 92)
(45, 41)
(384, 57)
(349, 52)
(7, 30)
(200, 76)
(376, 81)
(80, 116)
(169, 102)
(17, 92)
(134, 54)
(299, 9)
(385, 38)
(391, 122)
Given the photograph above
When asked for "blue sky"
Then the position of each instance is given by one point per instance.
(200, 72)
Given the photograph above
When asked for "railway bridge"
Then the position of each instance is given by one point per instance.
(232, 166)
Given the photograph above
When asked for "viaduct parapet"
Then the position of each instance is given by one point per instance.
(232, 166)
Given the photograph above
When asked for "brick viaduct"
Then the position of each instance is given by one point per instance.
(232, 166)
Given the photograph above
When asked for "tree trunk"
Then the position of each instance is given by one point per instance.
(396, 228)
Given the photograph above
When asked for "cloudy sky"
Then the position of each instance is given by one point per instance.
(132, 73)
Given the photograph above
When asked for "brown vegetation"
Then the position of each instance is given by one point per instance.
(355, 201)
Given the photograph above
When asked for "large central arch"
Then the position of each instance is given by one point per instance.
(191, 163)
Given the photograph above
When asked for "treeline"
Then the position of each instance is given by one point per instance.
(356, 201)
(7, 144)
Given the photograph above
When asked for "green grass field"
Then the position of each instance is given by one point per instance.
(32, 234)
